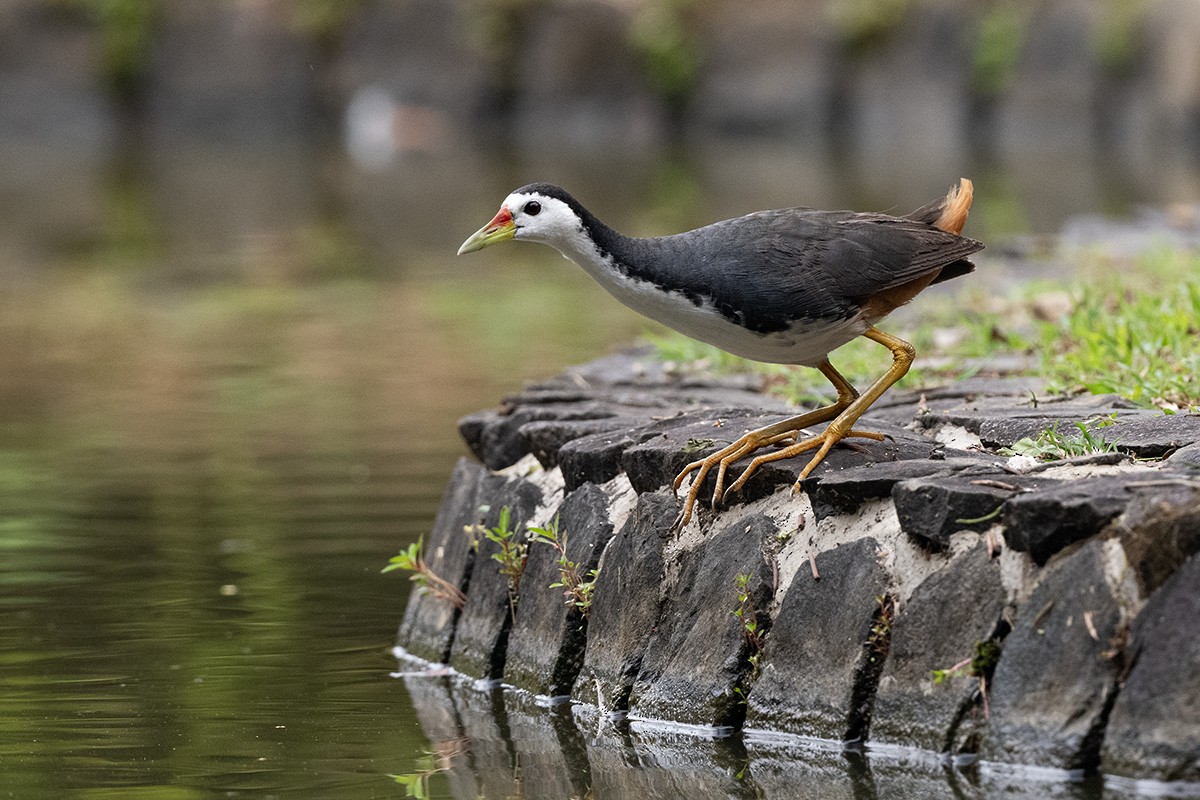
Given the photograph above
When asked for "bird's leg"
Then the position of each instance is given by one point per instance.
(843, 426)
(762, 437)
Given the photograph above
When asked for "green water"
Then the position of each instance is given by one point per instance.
(229, 383)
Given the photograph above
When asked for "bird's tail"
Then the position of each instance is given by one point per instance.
(948, 213)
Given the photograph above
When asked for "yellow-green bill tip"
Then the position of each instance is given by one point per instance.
(500, 229)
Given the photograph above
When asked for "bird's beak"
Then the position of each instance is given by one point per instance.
(500, 229)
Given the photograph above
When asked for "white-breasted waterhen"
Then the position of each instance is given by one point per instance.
(786, 286)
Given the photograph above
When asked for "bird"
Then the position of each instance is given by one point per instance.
(785, 286)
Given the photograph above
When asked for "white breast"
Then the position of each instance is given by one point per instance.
(805, 344)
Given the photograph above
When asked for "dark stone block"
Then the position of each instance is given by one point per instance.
(625, 605)
(1053, 687)
(948, 614)
(844, 491)
(1141, 433)
(1159, 530)
(697, 655)
(930, 509)
(1005, 431)
(999, 422)
(428, 625)
(493, 438)
(861, 455)
(498, 438)
(546, 646)
(545, 439)
(1186, 458)
(665, 448)
(1154, 729)
(593, 459)
(1154, 435)
(481, 636)
(1045, 521)
(819, 666)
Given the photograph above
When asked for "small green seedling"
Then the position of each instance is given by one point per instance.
(980, 665)
(881, 631)
(511, 555)
(577, 587)
(412, 560)
(752, 632)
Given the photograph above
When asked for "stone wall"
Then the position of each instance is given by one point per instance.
(1062, 589)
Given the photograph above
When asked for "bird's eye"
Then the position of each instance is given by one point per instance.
(532, 208)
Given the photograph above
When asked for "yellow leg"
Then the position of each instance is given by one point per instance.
(845, 412)
(762, 437)
(843, 426)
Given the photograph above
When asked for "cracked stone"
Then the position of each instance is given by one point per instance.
(546, 646)
(940, 625)
(817, 668)
(933, 509)
(1154, 728)
(1045, 521)
(696, 657)
(625, 604)
(1051, 690)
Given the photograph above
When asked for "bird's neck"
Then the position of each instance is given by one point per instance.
(601, 251)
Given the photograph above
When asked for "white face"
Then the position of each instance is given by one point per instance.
(542, 219)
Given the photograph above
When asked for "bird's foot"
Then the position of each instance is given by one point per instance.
(721, 460)
(824, 441)
(755, 440)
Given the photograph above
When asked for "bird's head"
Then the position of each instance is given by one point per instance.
(536, 213)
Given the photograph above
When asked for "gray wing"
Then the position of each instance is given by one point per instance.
(769, 269)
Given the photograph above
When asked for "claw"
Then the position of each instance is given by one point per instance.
(723, 458)
(841, 417)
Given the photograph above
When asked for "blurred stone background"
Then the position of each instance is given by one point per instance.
(938, 77)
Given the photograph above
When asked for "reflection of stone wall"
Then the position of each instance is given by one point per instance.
(579, 71)
(1043, 594)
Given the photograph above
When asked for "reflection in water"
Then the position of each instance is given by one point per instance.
(497, 743)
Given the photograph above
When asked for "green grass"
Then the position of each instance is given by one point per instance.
(1051, 445)
(1131, 329)
(1138, 336)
